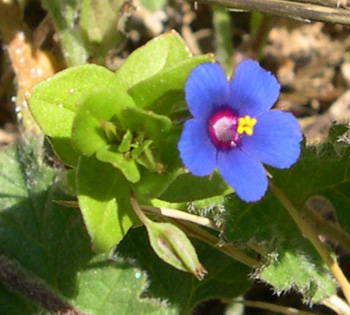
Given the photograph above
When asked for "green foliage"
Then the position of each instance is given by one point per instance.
(48, 250)
(115, 130)
(162, 91)
(226, 278)
(110, 287)
(53, 104)
(96, 120)
(157, 55)
(321, 171)
(102, 194)
(190, 188)
(269, 224)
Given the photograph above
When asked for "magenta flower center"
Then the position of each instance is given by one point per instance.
(225, 128)
(222, 129)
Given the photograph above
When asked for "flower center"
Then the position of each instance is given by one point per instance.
(225, 128)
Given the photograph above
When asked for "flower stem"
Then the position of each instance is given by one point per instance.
(228, 249)
(309, 233)
(332, 231)
(336, 304)
(194, 231)
(181, 215)
(138, 211)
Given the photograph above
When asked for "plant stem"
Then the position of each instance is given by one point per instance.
(287, 8)
(71, 39)
(275, 308)
(330, 230)
(195, 231)
(259, 37)
(309, 233)
(181, 215)
(228, 249)
(139, 212)
(336, 304)
(23, 282)
(223, 39)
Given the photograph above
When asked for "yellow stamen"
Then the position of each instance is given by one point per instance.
(245, 125)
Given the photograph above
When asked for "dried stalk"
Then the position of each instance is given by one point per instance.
(334, 11)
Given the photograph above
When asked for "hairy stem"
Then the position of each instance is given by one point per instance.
(310, 233)
(25, 283)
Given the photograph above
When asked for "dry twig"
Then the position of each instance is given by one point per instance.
(320, 10)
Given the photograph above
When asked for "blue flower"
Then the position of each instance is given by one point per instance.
(234, 129)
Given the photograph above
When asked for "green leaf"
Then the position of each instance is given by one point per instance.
(226, 278)
(153, 184)
(98, 108)
(312, 282)
(188, 188)
(48, 249)
(139, 148)
(163, 90)
(269, 224)
(103, 199)
(110, 154)
(320, 171)
(107, 287)
(125, 144)
(153, 126)
(53, 104)
(43, 237)
(158, 54)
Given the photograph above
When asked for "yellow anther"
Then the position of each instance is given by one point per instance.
(245, 125)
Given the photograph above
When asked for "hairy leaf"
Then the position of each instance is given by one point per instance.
(226, 277)
(320, 171)
(46, 260)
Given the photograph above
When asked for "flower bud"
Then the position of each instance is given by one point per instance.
(173, 246)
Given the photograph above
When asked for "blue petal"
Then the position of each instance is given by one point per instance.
(205, 89)
(275, 140)
(243, 173)
(253, 90)
(197, 152)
